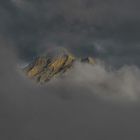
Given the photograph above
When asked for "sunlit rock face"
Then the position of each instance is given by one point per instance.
(50, 65)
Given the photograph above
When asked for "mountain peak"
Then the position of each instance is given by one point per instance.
(49, 65)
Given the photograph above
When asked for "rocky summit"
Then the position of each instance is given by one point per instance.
(46, 67)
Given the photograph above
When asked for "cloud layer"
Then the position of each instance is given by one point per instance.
(77, 24)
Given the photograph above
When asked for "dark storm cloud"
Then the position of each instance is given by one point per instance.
(76, 24)
(65, 15)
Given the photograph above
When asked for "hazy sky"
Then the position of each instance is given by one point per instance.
(93, 102)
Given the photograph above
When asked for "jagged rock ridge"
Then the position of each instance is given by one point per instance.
(45, 67)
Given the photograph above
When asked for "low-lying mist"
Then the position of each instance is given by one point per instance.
(101, 80)
(88, 102)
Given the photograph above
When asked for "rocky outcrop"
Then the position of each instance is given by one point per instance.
(44, 68)
(89, 60)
